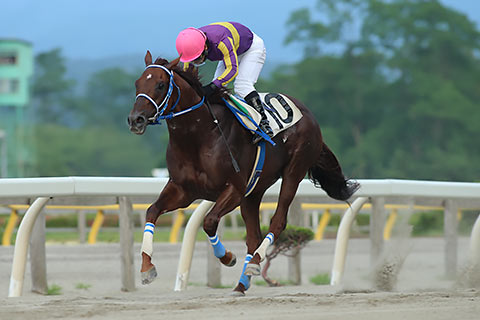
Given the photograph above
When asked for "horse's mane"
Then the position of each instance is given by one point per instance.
(194, 80)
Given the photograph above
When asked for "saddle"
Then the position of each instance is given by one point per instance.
(281, 113)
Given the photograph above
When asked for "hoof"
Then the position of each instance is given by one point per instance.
(149, 276)
(252, 269)
(239, 291)
(229, 259)
(237, 294)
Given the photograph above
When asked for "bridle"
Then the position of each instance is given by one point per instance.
(156, 119)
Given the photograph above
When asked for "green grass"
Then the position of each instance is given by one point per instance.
(223, 286)
(282, 282)
(260, 283)
(320, 279)
(54, 290)
(196, 284)
(83, 286)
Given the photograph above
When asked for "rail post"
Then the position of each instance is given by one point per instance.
(214, 267)
(21, 246)
(294, 261)
(341, 244)
(126, 244)
(81, 225)
(474, 254)
(188, 244)
(377, 223)
(38, 260)
(450, 231)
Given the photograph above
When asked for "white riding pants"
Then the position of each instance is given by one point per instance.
(250, 64)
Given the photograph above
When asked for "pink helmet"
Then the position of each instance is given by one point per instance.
(190, 44)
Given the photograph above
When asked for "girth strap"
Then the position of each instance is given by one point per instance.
(257, 167)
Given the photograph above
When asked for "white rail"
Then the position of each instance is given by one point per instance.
(80, 186)
(110, 186)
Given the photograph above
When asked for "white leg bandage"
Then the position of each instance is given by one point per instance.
(262, 249)
(147, 244)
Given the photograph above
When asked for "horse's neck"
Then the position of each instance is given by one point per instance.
(188, 125)
(197, 128)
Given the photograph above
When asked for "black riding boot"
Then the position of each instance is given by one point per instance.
(253, 99)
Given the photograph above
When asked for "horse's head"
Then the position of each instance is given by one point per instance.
(153, 91)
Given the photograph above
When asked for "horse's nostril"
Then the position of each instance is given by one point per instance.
(141, 120)
(136, 120)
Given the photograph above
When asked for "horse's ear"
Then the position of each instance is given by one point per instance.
(148, 58)
(173, 63)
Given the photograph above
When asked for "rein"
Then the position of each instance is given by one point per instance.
(156, 119)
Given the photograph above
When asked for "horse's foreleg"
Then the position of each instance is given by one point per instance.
(250, 215)
(148, 271)
(253, 267)
(171, 198)
(226, 202)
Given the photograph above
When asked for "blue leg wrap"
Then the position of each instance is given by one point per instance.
(218, 248)
(245, 280)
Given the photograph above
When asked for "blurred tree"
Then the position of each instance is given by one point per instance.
(433, 51)
(397, 99)
(88, 135)
(99, 151)
(110, 95)
(334, 20)
(51, 88)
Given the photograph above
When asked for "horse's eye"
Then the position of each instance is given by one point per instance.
(160, 85)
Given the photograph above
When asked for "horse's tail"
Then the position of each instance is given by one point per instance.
(328, 175)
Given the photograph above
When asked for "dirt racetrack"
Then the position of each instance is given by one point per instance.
(89, 278)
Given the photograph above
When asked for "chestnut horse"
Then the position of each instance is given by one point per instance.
(199, 161)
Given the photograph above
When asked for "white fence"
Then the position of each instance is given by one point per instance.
(125, 191)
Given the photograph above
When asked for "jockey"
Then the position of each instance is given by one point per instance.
(242, 53)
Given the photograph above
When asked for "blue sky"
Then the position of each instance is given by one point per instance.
(99, 29)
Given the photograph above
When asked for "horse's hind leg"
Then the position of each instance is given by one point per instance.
(226, 202)
(250, 214)
(278, 221)
(171, 198)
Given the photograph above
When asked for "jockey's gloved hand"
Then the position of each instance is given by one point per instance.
(209, 89)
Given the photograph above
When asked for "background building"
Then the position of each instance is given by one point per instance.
(16, 69)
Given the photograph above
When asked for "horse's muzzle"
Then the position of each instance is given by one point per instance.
(137, 123)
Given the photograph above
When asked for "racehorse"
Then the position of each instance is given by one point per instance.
(199, 160)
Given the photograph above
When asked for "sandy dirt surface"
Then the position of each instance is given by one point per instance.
(89, 278)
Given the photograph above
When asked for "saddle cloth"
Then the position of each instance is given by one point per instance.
(281, 112)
